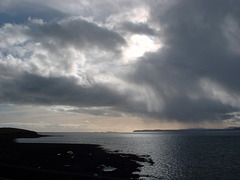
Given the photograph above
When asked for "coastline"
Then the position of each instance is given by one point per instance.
(66, 161)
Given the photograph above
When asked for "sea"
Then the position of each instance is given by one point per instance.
(176, 154)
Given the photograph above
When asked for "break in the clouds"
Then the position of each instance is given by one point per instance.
(164, 60)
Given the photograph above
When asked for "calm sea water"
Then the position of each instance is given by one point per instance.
(177, 155)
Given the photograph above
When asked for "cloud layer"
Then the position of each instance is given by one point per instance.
(166, 60)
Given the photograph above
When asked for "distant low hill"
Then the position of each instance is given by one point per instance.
(197, 129)
(9, 134)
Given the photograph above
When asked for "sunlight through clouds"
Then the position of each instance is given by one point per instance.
(138, 45)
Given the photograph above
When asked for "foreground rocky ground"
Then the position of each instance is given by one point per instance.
(65, 161)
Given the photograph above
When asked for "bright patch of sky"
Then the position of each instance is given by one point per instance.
(138, 45)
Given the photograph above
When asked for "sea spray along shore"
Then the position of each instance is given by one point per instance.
(63, 161)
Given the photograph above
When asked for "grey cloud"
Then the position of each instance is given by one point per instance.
(138, 28)
(198, 43)
(74, 32)
(60, 47)
(95, 99)
(190, 110)
(97, 111)
(33, 89)
(19, 11)
(195, 48)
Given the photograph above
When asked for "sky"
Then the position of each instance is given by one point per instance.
(90, 65)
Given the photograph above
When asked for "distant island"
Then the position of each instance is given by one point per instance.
(195, 129)
(9, 134)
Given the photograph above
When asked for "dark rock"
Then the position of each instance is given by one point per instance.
(10, 134)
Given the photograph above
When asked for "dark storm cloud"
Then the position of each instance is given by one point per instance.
(95, 99)
(195, 48)
(138, 28)
(187, 109)
(74, 32)
(33, 89)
